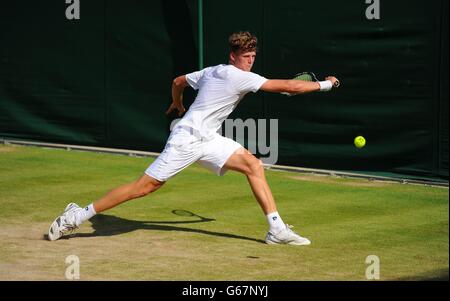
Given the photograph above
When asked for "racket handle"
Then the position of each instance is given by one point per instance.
(337, 83)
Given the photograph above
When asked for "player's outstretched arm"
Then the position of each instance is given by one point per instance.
(294, 87)
(178, 86)
(289, 86)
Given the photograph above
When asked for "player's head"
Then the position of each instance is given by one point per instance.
(242, 50)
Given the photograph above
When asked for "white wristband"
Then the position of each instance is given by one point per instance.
(325, 85)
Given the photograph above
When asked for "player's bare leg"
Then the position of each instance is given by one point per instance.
(279, 233)
(139, 188)
(74, 215)
(245, 162)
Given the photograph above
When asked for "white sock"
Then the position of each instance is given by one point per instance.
(276, 224)
(85, 214)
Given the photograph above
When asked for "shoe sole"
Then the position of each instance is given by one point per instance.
(292, 243)
(306, 243)
(53, 233)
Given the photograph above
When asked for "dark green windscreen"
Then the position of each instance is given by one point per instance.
(105, 79)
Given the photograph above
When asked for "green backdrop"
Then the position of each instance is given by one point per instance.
(105, 79)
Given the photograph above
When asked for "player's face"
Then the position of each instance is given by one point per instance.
(243, 60)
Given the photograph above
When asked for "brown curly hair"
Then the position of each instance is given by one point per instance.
(242, 41)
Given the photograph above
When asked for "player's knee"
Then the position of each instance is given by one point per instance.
(255, 167)
(153, 187)
(143, 190)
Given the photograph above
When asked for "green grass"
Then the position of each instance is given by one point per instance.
(406, 226)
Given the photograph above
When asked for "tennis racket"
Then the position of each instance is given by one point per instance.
(308, 77)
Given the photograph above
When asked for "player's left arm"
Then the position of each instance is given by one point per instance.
(178, 86)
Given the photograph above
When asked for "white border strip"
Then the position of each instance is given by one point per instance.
(81, 147)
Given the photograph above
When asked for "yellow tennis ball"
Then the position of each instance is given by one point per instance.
(360, 141)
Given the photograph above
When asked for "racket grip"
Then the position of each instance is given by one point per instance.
(337, 83)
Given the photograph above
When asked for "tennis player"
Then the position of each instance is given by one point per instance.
(195, 139)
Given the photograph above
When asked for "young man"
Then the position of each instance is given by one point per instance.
(195, 139)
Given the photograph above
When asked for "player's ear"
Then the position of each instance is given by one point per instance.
(232, 57)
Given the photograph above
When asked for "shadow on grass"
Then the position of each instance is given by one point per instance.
(108, 225)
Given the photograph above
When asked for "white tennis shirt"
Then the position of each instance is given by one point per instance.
(220, 89)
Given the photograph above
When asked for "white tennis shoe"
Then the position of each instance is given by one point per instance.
(286, 236)
(65, 223)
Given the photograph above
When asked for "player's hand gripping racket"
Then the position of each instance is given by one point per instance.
(308, 77)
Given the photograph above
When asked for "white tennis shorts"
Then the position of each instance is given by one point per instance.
(184, 147)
